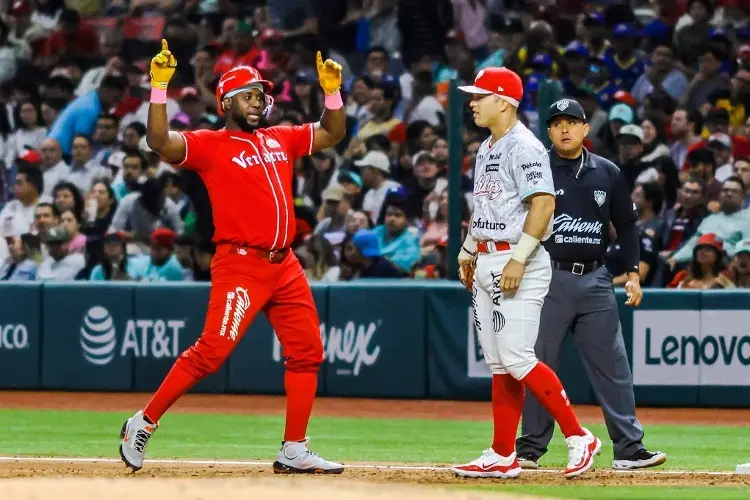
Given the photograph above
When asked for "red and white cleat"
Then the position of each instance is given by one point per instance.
(490, 464)
(581, 453)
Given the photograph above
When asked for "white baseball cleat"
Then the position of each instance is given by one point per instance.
(490, 464)
(296, 458)
(581, 453)
(135, 433)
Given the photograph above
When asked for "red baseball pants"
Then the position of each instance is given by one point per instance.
(242, 284)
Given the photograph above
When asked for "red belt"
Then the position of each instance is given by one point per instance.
(492, 246)
(272, 256)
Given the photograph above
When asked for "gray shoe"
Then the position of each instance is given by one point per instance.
(135, 433)
(527, 462)
(296, 458)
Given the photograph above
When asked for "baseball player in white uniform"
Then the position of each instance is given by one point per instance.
(509, 272)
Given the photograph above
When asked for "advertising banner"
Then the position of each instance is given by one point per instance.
(170, 320)
(20, 335)
(375, 340)
(90, 336)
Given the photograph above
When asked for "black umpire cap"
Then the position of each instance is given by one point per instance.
(566, 107)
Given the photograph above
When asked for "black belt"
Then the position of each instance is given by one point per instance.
(579, 268)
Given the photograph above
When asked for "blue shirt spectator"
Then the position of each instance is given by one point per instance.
(80, 116)
(397, 243)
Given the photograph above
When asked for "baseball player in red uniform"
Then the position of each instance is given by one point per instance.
(248, 171)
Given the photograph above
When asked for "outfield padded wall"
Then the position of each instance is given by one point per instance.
(389, 339)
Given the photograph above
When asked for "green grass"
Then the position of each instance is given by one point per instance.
(243, 437)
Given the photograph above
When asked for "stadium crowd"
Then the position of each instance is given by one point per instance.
(665, 85)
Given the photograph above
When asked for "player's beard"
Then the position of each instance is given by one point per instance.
(240, 119)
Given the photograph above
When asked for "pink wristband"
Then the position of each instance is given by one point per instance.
(158, 96)
(334, 101)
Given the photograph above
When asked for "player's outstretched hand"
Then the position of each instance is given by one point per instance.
(162, 67)
(510, 280)
(329, 75)
(634, 293)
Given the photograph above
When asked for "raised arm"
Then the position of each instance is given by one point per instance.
(170, 145)
(331, 129)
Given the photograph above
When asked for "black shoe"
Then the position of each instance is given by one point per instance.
(640, 460)
(527, 462)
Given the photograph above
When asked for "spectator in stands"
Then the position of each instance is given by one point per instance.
(29, 134)
(140, 213)
(706, 267)
(105, 138)
(134, 170)
(24, 259)
(424, 187)
(322, 264)
(437, 227)
(397, 243)
(72, 225)
(363, 255)
(624, 64)
(17, 216)
(334, 213)
(72, 39)
(84, 169)
(46, 215)
(184, 251)
(662, 73)
(685, 128)
(162, 264)
(729, 225)
(115, 265)
(24, 32)
(738, 271)
(654, 140)
(174, 191)
(693, 35)
(59, 265)
(80, 116)
(682, 220)
(701, 163)
(382, 105)
(423, 105)
(323, 174)
(240, 51)
(648, 199)
(358, 220)
(66, 196)
(51, 109)
(708, 80)
(721, 146)
(54, 167)
(742, 170)
(204, 252)
(630, 153)
(101, 205)
(375, 168)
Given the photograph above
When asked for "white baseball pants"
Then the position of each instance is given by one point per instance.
(508, 324)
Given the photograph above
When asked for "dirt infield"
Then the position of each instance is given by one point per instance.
(171, 478)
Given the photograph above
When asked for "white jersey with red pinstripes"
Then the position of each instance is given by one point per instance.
(506, 173)
(249, 181)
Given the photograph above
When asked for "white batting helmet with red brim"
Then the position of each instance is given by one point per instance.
(499, 81)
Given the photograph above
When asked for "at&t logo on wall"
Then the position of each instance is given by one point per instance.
(98, 338)
(144, 338)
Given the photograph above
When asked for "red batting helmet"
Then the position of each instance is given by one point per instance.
(499, 81)
(239, 79)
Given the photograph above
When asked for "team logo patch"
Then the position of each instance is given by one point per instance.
(273, 143)
(600, 197)
(563, 104)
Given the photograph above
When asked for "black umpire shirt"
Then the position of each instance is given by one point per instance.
(590, 192)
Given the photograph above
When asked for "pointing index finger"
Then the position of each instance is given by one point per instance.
(164, 45)
(320, 59)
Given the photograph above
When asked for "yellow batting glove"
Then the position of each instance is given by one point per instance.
(329, 75)
(162, 67)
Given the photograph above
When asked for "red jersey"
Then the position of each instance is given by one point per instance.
(229, 59)
(248, 177)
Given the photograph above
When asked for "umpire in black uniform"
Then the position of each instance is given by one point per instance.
(590, 192)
